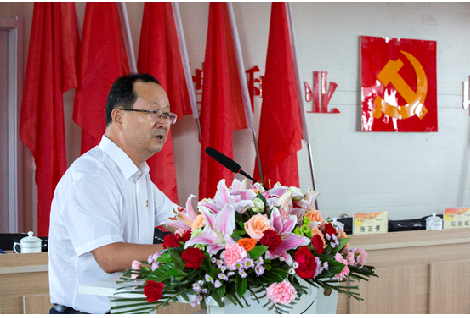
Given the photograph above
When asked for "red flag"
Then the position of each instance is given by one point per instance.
(50, 71)
(221, 105)
(280, 130)
(103, 58)
(159, 55)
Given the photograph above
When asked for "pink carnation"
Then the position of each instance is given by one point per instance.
(361, 256)
(180, 232)
(351, 259)
(345, 270)
(135, 265)
(281, 293)
(232, 255)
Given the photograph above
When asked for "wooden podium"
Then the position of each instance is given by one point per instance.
(420, 272)
(24, 287)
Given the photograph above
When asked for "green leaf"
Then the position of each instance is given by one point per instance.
(280, 272)
(240, 285)
(185, 297)
(272, 276)
(206, 264)
(165, 258)
(176, 272)
(239, 219)
(176, 259)
(257, 251)
(215, 295)
(342, 243)
(161, 273)
(203, 304)
(221, 291)
(234, 299)
(238, 233)
(334, 267)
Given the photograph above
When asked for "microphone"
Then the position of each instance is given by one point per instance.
(227, 162)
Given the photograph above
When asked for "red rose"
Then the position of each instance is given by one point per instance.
(171, 240)
(153, 290)
(306, 262)
(329, 229)
(186, 236)
(271, 239)
(317, 243)
(192, 256)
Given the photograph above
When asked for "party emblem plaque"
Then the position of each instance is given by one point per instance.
(398, 84)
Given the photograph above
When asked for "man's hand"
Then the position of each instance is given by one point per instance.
(117, 257)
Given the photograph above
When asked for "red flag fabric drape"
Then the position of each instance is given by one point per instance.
(103, 58)
(221, 105)
(280, 130)
(50, 71)
(159, 55)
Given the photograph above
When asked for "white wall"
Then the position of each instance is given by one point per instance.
(410, 175)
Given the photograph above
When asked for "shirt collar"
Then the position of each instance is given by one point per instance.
(122, 160)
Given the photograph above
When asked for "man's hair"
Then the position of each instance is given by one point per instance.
(122, 93)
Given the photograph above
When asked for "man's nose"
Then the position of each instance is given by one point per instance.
(161, 122)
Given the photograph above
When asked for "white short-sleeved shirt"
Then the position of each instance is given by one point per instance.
(102, 198)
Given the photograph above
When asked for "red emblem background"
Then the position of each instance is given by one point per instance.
(375, 54)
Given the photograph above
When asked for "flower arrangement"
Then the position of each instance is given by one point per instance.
(272, 239)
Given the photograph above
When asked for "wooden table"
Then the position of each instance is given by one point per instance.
(420, 272)
(24, 286)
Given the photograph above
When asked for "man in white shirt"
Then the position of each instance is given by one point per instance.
(105, 207)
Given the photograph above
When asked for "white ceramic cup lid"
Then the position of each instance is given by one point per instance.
(30, 239)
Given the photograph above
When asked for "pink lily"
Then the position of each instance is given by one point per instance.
(306, 204)
(239, 191)
(276, 191)
(240, 198)
(184, 217)
(217, 231)
(243, 197)
(238, 185)
(284, 202)
(308, 201)
(222, 197)
(284, 228)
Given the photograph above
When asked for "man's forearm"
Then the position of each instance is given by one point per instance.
(117, 257)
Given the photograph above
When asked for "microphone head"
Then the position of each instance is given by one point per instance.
(223, 160)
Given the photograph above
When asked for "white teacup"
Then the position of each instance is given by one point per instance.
(28, 244)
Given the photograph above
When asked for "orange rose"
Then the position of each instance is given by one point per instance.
(256, 226)
(341, 233)
(247, 243)
(314, 216)
(198, 222)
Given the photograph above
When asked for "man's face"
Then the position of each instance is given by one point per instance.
(144, 137)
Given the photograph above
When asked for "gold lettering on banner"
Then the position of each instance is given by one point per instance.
(414, 100)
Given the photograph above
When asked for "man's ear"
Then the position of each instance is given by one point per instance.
(116, 115)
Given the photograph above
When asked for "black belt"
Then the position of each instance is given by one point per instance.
(68, 310)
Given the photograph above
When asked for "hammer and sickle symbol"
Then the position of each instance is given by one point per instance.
(414, 100)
